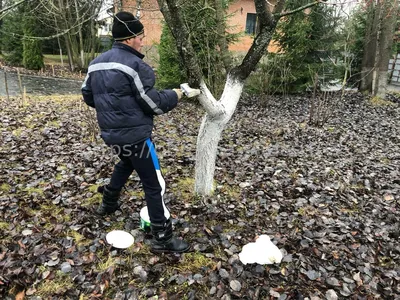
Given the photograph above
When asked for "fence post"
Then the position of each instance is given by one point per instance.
(20, 86)
(6, 84)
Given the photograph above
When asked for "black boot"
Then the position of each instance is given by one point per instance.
(164, 241)
(110, 201)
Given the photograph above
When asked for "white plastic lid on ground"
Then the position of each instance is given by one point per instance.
(120, 239)
(262, 252)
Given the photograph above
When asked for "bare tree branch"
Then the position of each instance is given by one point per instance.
(61, 33)
(260, 43)
(11, 7)
(170, 11)
(286, 13)
(279, 6)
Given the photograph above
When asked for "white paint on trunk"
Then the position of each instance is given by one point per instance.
(218, 115)
(382, 84)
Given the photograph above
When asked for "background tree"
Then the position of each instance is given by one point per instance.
(379, 34)
(74, 21)
(170, 71)
(354, 31)
(386, 40)
(32, 49)
(307, 41)
(206, 22)
(218, 113)
(12, 33)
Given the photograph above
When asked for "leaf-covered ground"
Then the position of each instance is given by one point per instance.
(329, 198)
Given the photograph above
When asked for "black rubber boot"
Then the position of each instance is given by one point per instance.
(164, 240)
(110, 201)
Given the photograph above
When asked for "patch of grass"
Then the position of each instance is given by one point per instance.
(194, 262)
(5, 188)
(231, 191)
(51, 209)
(185, 188)
(377, 101)
(54, 123)
(17, 132)
(232, 228)
(78, 238)
(95, 199)
(219, 253)
(350, 211)
(50, 59)
(307, 211)
(136, 194)
(57, 286)
(33, 191)
(385, 261)
(4, 226)
(105, 264)
(93, 188)
(117, 225)
(331, 129)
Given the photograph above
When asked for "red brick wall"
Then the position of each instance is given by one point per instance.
(151, 18)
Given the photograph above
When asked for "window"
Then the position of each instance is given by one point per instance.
(251, 24)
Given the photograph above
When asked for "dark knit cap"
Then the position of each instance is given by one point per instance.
(126, 26)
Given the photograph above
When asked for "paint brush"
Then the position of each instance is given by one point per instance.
(188, 91)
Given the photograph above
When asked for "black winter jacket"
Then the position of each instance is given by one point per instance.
(120, 86)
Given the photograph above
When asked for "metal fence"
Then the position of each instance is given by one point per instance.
(394, 70)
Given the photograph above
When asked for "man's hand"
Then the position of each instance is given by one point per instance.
(178, 92)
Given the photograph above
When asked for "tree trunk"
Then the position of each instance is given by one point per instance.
(80, 47)
(370, 47)
(389, 18)
(210, 134)
(218, 113)
(69, 53)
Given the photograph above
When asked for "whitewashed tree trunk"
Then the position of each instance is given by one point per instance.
(211, 128)
(218, 113)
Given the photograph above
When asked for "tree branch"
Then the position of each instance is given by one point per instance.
(260, 43)
(286, 13)
(279, 7)
(179, 29)
(207, 100)
(45, 38)
(170, 11)
(263, 12)
(11, 7)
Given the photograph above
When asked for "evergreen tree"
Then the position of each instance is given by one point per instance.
(307, 40)
(356, 28)
(170, 71)
(202, 20)
(11, 42)
(32, 49)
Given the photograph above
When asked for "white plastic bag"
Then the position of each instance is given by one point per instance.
(262, 252)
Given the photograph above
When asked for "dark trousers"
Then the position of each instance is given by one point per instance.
(142, 157)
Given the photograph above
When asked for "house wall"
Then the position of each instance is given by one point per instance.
(152, 18)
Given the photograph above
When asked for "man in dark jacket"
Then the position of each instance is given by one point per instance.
(120, 86)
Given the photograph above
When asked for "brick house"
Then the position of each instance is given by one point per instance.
(243, 20)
